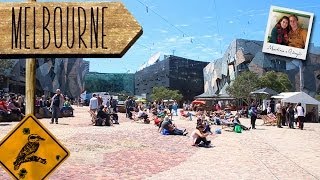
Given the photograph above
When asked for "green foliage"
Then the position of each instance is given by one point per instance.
(248, 81)
(277, 81)
(245, 83)
(317, 97)
(160, 93)
(112, 83)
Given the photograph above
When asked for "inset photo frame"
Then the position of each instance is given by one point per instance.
(288, 32)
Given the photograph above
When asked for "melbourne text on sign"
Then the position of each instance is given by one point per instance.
(66, 29)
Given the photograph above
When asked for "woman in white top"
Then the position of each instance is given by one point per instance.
(300, 113)
(198, 137)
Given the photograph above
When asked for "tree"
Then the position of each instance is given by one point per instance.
(160, 93)
(245, 83)
(277, 81)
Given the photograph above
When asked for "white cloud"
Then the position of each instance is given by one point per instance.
(231, 22)
(163, 31)
(182, 25)
(208, 17)
(173, 39)
(207, 36)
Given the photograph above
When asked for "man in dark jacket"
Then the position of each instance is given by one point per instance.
(56, 105)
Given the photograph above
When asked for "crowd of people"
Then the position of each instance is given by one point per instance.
(103, 115)
(12, 107)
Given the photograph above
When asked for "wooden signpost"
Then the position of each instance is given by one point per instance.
(44, 30)
(66, 30)
(58, 30)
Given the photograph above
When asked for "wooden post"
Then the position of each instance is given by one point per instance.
(30, 83)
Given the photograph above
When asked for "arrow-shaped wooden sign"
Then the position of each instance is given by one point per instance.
(65, 30)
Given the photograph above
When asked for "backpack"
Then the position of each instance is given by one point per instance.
(238, 129)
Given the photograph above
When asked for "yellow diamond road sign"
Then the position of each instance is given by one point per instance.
(30, 151)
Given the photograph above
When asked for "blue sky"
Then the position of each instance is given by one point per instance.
(196, 29)
(209, 27)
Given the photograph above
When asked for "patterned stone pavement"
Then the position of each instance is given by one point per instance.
(137, 151)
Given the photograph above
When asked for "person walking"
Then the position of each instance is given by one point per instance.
(279, 114)
(56, 106)
(93, 106)
(300, 112)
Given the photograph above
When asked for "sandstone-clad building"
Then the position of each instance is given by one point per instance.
(51, 73)
(244, 55)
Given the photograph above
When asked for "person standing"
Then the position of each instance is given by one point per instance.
(279, 114)
(100, 101)
(300, 112)
(314, 114)
(56, 105)
(253, 116)
(175, 108)
(94, 103)
(129, 107)
(284, 115)
(93, 106)
(290, 112)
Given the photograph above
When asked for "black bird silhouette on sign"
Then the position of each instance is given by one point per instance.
(27, 152)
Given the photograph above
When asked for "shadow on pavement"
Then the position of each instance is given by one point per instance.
(63, 124)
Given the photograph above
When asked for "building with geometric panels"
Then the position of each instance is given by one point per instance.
(243, 55)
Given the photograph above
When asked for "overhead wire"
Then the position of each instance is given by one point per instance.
(217, 22)
(184, 34)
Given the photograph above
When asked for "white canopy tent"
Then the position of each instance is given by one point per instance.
(307, 102)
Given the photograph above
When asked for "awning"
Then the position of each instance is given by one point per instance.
(198, 102)
(205, 95)
(266, 91)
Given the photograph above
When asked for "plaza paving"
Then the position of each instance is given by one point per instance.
(137, 151)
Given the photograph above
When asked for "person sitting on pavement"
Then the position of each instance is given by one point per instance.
(3, 106)
(142, 114)
(168, 128)
(114, 116)
(198, 137)
(216, 119)
(202, 121)
(67, 108)
(102, 117)
(186, 115)
(14, 109)
(236, 121)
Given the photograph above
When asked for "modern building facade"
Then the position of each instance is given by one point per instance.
(173, 72)
(66, 74)
(110, 82)
(86, 66)
(244, 55)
